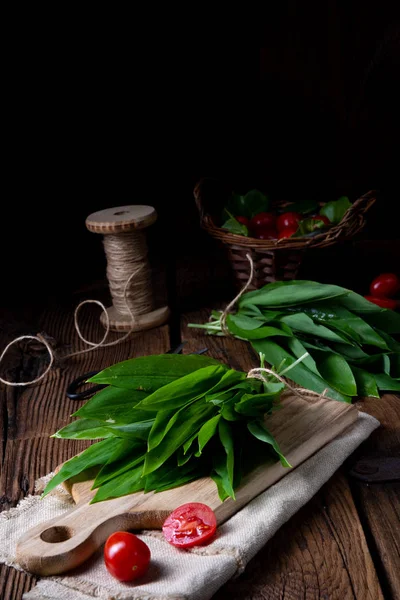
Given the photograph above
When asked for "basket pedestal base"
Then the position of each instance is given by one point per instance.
(269, 265)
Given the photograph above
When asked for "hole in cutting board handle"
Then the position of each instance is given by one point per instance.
(54, 535)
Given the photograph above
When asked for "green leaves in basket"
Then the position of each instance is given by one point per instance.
(247, 205)
(309, 225)
(305, 206)
(167, 420)
(233, 226)
(336, 209)
(351, 351)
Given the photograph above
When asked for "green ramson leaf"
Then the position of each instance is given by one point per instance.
(207, 431)
(129, 455)
(387, 383)
(341, 319)
(226, 438)
(291, 293)
(222, 493)
(139, 430)
(304, 206)
(169, 475)
(233, 226)
(95, 455)
(220, 474)
(259, 430)
(298, 350)
(111, 404)
(336, 209)
(274, 355)
(228, 379)
(159, 428)
(149, 373)
(366, 385)
(388, 320)
(252, 311)
(128, 482)
(256, 202)
(183, 457)
(190, 420)
(335, 370)
(253, 334)
(302, 322)
(180, 392)
(228, 408)
(85, 429)
(257, 404)
(349, 352)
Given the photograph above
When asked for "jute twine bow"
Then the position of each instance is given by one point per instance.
(94, 345)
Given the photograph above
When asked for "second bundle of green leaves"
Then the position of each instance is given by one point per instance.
(169, 419)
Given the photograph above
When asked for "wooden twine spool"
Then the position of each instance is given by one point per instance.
(126, 251)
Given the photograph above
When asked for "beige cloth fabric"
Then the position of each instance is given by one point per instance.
(174, 574)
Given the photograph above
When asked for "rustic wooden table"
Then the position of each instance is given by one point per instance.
(343, 544)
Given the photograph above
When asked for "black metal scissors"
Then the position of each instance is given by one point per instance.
(72, 389)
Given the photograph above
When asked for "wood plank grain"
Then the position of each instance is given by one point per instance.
(379, 503)
(30, 415)
(322, 551)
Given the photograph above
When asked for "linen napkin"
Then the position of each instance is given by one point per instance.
(194, 574)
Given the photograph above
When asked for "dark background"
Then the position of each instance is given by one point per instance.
(301, 100)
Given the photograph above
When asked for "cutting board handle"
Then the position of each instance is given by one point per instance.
(65, 542)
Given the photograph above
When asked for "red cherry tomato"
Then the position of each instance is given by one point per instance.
(190, 525)
(243, 221)
(265, 233)
(322, 218)
(287, 232)
(126, 556)
(382, 302)
(385, 285)
(288, 219)
(263, 220)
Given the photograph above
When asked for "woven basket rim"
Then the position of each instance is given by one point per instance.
(352, 222)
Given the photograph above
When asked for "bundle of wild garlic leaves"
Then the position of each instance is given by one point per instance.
(352, 351)
(169, 419)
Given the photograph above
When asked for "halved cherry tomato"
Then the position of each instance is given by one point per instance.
(382, 302)
(190, 525)
(243, 221)
(287, 232)
(385, 285)
(288, 219)
(126, 556)
(265, 233)
(322, 218)
(265, 220)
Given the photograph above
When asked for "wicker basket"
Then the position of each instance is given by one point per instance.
(273, 260)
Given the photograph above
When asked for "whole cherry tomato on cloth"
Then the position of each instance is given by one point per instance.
(288, 219)
(265, 233)
(243, 221)
(383, 302)
(287, 232)
(190, 525)
(385, 285)
(126, 556)
(265, 220)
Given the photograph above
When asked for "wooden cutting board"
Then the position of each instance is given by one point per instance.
(301, 427)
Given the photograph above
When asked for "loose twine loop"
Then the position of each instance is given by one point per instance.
(128, 275)
(94, 345)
